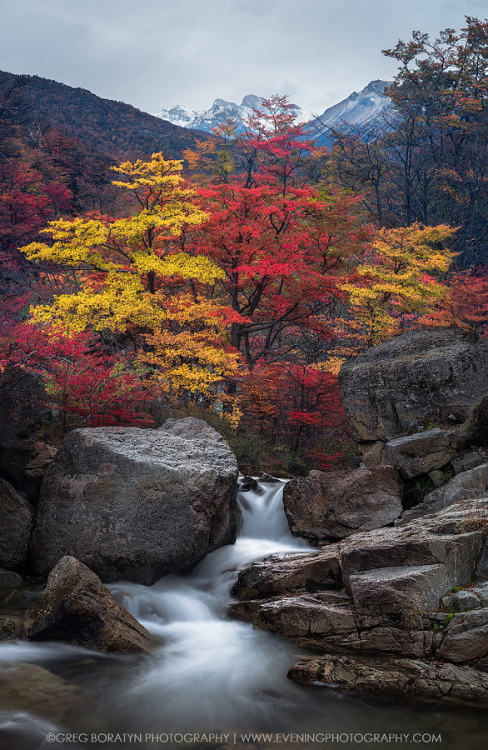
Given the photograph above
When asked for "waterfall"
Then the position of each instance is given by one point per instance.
(211, 670)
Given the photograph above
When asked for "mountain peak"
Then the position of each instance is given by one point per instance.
(376, 87)
(251, 100)
(220, 112)
(359, 111)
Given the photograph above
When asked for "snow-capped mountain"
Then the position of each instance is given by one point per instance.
(361, 112)
(179, 116)
(217, 114)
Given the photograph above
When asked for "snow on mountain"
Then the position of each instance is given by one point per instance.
(361, 112)
(179, 116)
(220, 111)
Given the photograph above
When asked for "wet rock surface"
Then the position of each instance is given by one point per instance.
(396, 601)
(34, 689)
(334, 505)
(77, 608)
(395, 677)
(135, 504)
(287, 573)
(15, 526)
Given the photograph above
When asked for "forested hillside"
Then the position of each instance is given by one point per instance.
(111, 128)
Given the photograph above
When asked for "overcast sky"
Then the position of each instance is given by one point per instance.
(158, 53)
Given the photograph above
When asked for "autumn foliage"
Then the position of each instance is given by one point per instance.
(234, 289)
(132, 278)
(398, 278)
(464, 306)
(88, 386)
(428, 161)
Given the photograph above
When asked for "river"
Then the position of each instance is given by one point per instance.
(212, 675)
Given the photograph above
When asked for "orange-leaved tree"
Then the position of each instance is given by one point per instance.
(399, 278)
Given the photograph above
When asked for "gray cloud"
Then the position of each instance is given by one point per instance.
(157, 53)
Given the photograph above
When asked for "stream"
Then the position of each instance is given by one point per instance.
(211, 677)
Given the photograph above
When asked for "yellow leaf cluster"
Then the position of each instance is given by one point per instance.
(130, 276)
(188, 355)
(402, 275)
(121, 305)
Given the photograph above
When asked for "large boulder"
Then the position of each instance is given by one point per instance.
(15, 526)
(76, 607)
(415, 380)
(24, 414)
(333, 505)
(136, 504)
(452, 538)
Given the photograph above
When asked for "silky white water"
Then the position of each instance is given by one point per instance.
(211, 670)
(209, 673)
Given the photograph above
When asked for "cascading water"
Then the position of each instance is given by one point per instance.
(209, 673)
(211, 670)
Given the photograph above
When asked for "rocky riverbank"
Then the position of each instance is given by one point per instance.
(115, 503)
(384, 593)
(393, 600)
(400, 604)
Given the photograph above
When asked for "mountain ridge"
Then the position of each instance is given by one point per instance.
(219, 112)
(359, 110)
(110, 127)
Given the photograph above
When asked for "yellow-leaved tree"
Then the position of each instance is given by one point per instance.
(398, 279)
(132, 277)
